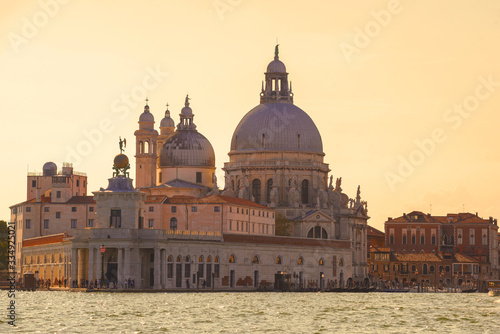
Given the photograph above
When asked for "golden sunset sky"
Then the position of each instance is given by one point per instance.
(405, 94)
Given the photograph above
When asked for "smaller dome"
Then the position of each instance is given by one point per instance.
(121, 161)
(167, 122)
(49, 169)
(146, 116)
(276, 66)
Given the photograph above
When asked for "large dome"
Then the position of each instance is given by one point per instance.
(277, 127)
(187, 148)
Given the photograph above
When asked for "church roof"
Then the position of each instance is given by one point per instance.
(179, 184)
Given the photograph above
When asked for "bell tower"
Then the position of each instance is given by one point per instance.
(146, 150)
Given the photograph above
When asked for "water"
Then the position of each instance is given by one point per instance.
(66, 312)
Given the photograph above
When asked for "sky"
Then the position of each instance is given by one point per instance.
(405, 94)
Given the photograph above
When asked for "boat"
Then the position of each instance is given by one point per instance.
(493, 288)
(469, 290)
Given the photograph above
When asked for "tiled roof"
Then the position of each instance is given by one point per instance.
(81, 200)
(462, 258)
(465, 218)
(418, 257)
(379, 249)
(180, 184)
(155, 198)
(44, 240)
(372, 231)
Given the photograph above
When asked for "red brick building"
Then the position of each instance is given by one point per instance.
(462, 233)
(375, 238)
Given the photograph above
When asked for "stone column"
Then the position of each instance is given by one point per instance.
(163, 268)
(157, 268)
(135, 269)
(98, 268)
(126, 268)
(80, 265)
(91, 264)
(74, 264)
(120, 268)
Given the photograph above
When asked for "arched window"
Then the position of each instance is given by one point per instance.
(141, 147)
(232, 259)
(200, 259)
(216, 259)
(256, 190)
(305, 192)
(173, 223)
(300, 261)
(269, 188)
(279, 260)
(317, 232)
(178, 259)
(146, 147)
(255, 260)
(341, 262)
(169, 259)
(187, 259)
(209, 259)
(321, 262)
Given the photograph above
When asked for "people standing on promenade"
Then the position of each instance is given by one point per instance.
(125, 284)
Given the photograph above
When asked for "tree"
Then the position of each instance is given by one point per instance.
(4, 242)
(283, 226)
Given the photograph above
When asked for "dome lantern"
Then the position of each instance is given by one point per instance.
(276, 84)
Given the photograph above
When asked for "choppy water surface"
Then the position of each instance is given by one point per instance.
(65, 312)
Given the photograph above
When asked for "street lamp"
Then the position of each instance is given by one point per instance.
(102, 249)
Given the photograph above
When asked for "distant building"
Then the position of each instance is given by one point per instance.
(376, 238)
(462, 233)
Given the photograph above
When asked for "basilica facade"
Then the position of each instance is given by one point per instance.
(177, 227)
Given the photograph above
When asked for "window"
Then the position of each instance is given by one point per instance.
(256, 190)
(46, 209)
(305, 192)
(28, 223)
(404, 239)
(300, 261)
(194, 209)
(33, 183)
(255, 260)
(170, 267)
(472, 239)
(91, 223)
(73, 223)
(459, 239)
(391, 239)
(116, 218)
(413, 239)
(173, 209)
(268, 190)
(279, 260)
(422, 239)
(424, 269)
(198, 177)
(45, 223)
(151, 223)
(413, 269)
(237, 210)
(73, 209)
(151, 209)
(321, 262)
(232, 259)
(58, 194)
(216, 208)
(173, 223)
(485, 239)
(433, 239)
(77, 183)
(58, 214)
(91, 209)
(230, 209)
(28, 209)
(317, 232)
